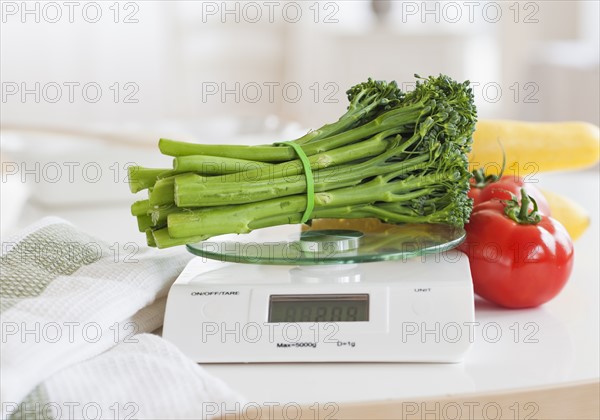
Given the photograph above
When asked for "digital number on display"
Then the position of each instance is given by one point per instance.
(319, 308)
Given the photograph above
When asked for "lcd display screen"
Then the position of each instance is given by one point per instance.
(319, 308)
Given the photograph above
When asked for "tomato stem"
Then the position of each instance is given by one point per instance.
(519, 212)
(482, 180)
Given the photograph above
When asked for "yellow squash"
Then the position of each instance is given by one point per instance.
(570, 214)
(532, 147)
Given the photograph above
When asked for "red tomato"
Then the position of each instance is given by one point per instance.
(516, 265)
(475, 193)
(504, 187)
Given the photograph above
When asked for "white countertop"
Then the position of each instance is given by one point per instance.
(557, 343)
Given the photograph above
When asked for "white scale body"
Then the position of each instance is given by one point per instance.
(419, 310)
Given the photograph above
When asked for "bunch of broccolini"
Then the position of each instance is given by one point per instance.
(399, 157)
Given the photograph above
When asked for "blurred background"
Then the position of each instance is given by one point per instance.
(89, 87)
(162, 60)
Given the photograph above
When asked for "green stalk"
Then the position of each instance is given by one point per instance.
(295, 218)
(367, 148)
(280, 219)
(350, 118)
(193, 192)
(144, 222)
(396, 120)
(140, 208)
(215, 165)
(344, 212)
(163, 192)
(397, 217)
(159, 214)
(213, 221)
(254, 153)
(341, 147)
(199, 192)
(141, 178)
(357, 211)
(163, 240)
(150, 238)
(380, 189)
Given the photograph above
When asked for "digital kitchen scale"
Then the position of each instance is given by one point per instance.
(296, 294)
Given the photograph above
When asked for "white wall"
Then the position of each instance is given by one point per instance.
(178, 51)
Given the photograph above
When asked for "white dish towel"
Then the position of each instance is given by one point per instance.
(74, 311)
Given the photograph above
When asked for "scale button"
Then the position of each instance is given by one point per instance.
(421, 306)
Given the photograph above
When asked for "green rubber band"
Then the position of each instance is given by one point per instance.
(310, 182)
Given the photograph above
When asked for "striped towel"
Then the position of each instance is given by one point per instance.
(74, 312)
